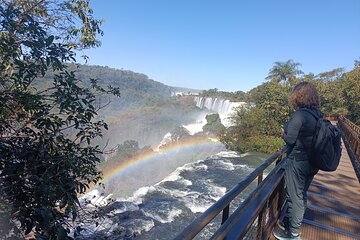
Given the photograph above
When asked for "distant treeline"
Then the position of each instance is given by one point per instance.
(238, 96)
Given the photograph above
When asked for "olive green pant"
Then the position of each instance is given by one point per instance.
(298, 176)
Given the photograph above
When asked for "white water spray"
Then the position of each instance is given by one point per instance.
(223, 107)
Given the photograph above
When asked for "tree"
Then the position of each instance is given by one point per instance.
(273, 98)
(210, 93)
(357, 63)
(332, 75)
(46, 153)
(251, 132)
(285, 72)
(351, 89)
(213, 124)
(329, 87)
(257, 128)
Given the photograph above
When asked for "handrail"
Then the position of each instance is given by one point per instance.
(272, 181)
(351, 134)
(251, 207)
(350, 124)
(332, 117)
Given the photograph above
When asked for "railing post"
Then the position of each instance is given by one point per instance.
(225, 215)
(260, 177)
(261, 219)
(356, 146)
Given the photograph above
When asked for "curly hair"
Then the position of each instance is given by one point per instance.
(304, 94)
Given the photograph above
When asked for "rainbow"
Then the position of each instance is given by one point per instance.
(125, 166)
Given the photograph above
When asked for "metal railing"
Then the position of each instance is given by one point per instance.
(258, 212)
(351, 134)
(331, 117)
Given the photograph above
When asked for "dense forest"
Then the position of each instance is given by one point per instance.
(136, 89)
(257, 128)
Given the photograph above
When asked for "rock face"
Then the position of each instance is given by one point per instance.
(175, 136)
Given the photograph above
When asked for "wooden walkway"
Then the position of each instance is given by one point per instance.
(333, 204)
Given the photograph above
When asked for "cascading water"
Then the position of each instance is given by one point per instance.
(174, 186)
(225, 108)
(162, 210)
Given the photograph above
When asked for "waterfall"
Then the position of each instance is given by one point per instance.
(225, 108)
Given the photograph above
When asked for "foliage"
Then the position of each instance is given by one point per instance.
(46, 155)
(262, 121)
(265, 144)
(329, 88)
(238, 96)
(136, 89)
(273, 98)
(249, 127)
(257, 128)
(213, 124)
(351, 93)
(285, 72)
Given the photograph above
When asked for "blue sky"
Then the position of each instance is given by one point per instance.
(230, 45)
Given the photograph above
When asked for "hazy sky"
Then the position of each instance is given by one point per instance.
(226, 44)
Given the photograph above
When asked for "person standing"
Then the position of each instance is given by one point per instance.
(298, 134)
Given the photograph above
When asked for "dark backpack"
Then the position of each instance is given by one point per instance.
(325, 150)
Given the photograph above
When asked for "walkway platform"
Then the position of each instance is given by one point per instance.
(333, 204)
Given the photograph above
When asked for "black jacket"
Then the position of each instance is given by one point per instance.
(299, 131)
